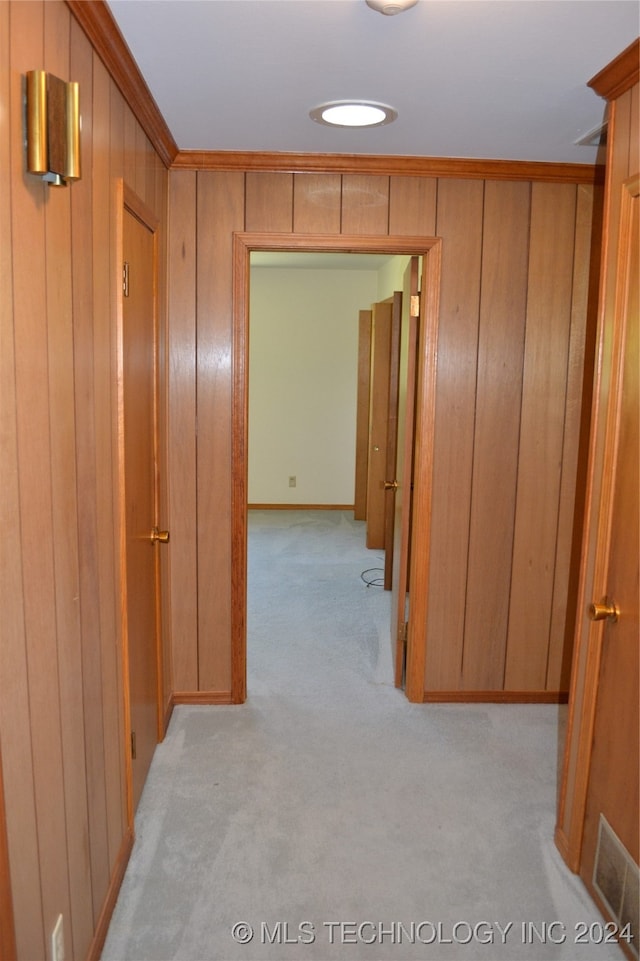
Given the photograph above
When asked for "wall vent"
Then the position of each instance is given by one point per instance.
(616, 878)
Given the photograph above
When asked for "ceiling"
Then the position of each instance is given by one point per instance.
(487, 79)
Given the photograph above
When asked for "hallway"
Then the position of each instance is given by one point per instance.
(332, 817)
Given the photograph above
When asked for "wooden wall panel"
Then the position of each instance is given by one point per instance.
(36, 519)
(316, 203)
(365, 205)
(105, 372)
(541, 433)
(220, 211)
(496, 437)
(269, 202)
(15, 729)
(181, 432)
(65, 509)
(61, 713)
(490, 288)
(560, 646)
(412, 206)
(459, 223)
(86, 467)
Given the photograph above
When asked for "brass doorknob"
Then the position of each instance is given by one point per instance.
(606, 609)
(391, 485)
(161, 536)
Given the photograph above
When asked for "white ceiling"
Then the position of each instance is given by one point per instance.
(490, 79)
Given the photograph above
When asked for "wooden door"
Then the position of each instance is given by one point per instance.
(613, 777)
(404, 469)
(378, 422)
(362, 415)
(139, 380)
(392, 438)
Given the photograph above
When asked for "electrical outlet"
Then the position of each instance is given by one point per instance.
(57, 940)
(292, 482)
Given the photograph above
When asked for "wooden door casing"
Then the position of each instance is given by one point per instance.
(381, 325)
(139, 453)
(392, 438)
(603, 709)
(408, 365)
(612, 789)
(430, 250)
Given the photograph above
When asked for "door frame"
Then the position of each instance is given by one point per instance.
(594, 563)
(128, 200)
(429, 248)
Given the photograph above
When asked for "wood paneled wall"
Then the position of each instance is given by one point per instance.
(513, 311)
(61, 710)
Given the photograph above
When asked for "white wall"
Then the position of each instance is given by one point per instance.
(302, 382)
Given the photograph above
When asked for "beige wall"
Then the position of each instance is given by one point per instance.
(61, 710)
(303, 348)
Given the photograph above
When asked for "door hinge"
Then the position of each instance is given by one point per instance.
(125, 278)
(415, 305)
(133, 745)
(403, 632)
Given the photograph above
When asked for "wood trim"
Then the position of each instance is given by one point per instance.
(102, 31)
(598, 517)
(619, 75)
(201, 697)
(496, 697)
(243, 243)
(300, 507)
(366, 164)
(425, 416)
(100, 933)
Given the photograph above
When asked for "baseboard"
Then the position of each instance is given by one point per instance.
(168, 711)
(300, 507)
(201, 697)
(497, 697)
(100, 933)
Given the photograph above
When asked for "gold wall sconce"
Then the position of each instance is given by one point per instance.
(53, 128)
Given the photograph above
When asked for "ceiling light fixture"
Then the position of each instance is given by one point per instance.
(353, 113)
(391, 7)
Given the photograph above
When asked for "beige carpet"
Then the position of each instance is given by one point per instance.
(328, 818)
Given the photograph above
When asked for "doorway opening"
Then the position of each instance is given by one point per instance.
(246, 244)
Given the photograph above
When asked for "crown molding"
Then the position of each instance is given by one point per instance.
(102, 31)
(620, 75)
(364, 164)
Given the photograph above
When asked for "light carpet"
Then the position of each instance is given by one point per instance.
(327, 818)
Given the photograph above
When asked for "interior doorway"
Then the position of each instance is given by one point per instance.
(244, 245)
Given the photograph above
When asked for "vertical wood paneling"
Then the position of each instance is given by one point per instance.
(412, 206)
(459, 223)
(365, 205)
(86, 467)
(117, 114)
(316, 203)
(220, 211)
(65, 512)
(61, 714)
(269, 202)
(36, 520)
(17, 759)
(560, 648)
(182, 435)
(495, 457)
(541, 433)
(104, 374)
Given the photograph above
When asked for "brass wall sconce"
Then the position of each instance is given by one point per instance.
(53, 128)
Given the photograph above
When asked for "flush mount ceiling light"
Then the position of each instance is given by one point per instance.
(391, 7)
(353, 113)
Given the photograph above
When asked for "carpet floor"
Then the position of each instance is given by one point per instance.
(327, 817)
